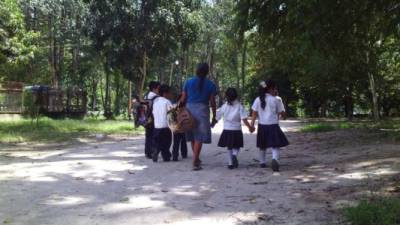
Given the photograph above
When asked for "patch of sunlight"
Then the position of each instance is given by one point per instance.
(33, 154)
(184, 191)
(132, 148)
(365, 174)
(83, 156)
(221, 218)
(42, 179)
(132, 203)
(122, 154)
(305, 178)
(66, 200)
(372, 163)
(79, 169)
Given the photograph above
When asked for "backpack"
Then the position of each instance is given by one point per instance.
(181, 120)
(144, 113)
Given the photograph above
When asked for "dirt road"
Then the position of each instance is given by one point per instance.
(109, 182)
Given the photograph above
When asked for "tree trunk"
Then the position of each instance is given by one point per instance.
(94, 95)
(51, 58)
(76, 51)
(107, 109)
(129, 99)
(118, 95)
(244, 59)
(349, 103)
(375, 107)
(144, 75)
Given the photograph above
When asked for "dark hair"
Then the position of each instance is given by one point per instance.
(202, 71)
(164, 89)
(261, 93)
(153, 85)
(231, 95)
(269, 85)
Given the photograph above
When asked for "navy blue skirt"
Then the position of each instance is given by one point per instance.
(231, 139)
(271, 136)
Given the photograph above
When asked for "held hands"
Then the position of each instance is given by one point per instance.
(252, 129)
(213, 122)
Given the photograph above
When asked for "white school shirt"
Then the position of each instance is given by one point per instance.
(233, 115)
(270, 114)
(150, 96)
(161, 106)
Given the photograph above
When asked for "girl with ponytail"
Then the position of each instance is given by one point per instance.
(267, 108)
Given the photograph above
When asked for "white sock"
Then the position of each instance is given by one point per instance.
(275, 154)
(263, 159)
(230, 157)
(235, 151)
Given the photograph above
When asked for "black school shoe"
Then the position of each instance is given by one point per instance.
(231, 167)
(235, 162)
(275, 165)
(155, 157)
(263, 165)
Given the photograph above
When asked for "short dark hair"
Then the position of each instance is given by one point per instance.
(164, 89)
(231, 95)
(153, 85)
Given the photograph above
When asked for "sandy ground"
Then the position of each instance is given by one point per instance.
(110, 182)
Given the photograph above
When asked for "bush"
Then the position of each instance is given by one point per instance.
(374, 212)
(318, 127)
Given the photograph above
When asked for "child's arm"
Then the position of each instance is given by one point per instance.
(220, 112)
(182, 100)
(281, 108)
(283, 115)
(251, 128)
(244, 116)
(253, 118)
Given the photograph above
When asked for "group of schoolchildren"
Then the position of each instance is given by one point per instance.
(267, 107)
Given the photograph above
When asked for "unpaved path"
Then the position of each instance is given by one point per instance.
(111, 183)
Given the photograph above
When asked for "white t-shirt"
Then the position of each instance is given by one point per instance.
(161, 106)
(270, 114)
(150, 96)
(233, 115)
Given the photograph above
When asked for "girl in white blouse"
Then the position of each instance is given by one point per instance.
(231, 138)
(268, 108)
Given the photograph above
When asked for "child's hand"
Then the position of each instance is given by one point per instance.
(252, 129)
(213, 122)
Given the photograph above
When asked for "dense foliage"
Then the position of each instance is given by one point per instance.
(329, 58)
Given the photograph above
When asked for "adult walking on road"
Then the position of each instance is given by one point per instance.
(199, 93)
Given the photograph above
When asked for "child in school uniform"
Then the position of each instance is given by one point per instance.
(179, 142)
(162, 134)
(231, 138)
(268, 108)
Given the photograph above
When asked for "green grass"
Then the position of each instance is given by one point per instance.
(49, 130)
(389, 128)
(374, 212)
(325, 127)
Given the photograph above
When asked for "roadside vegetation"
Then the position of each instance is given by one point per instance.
(388, 128)
(50, 130)
(385, 211)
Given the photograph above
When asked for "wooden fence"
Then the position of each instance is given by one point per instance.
(11, 98)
